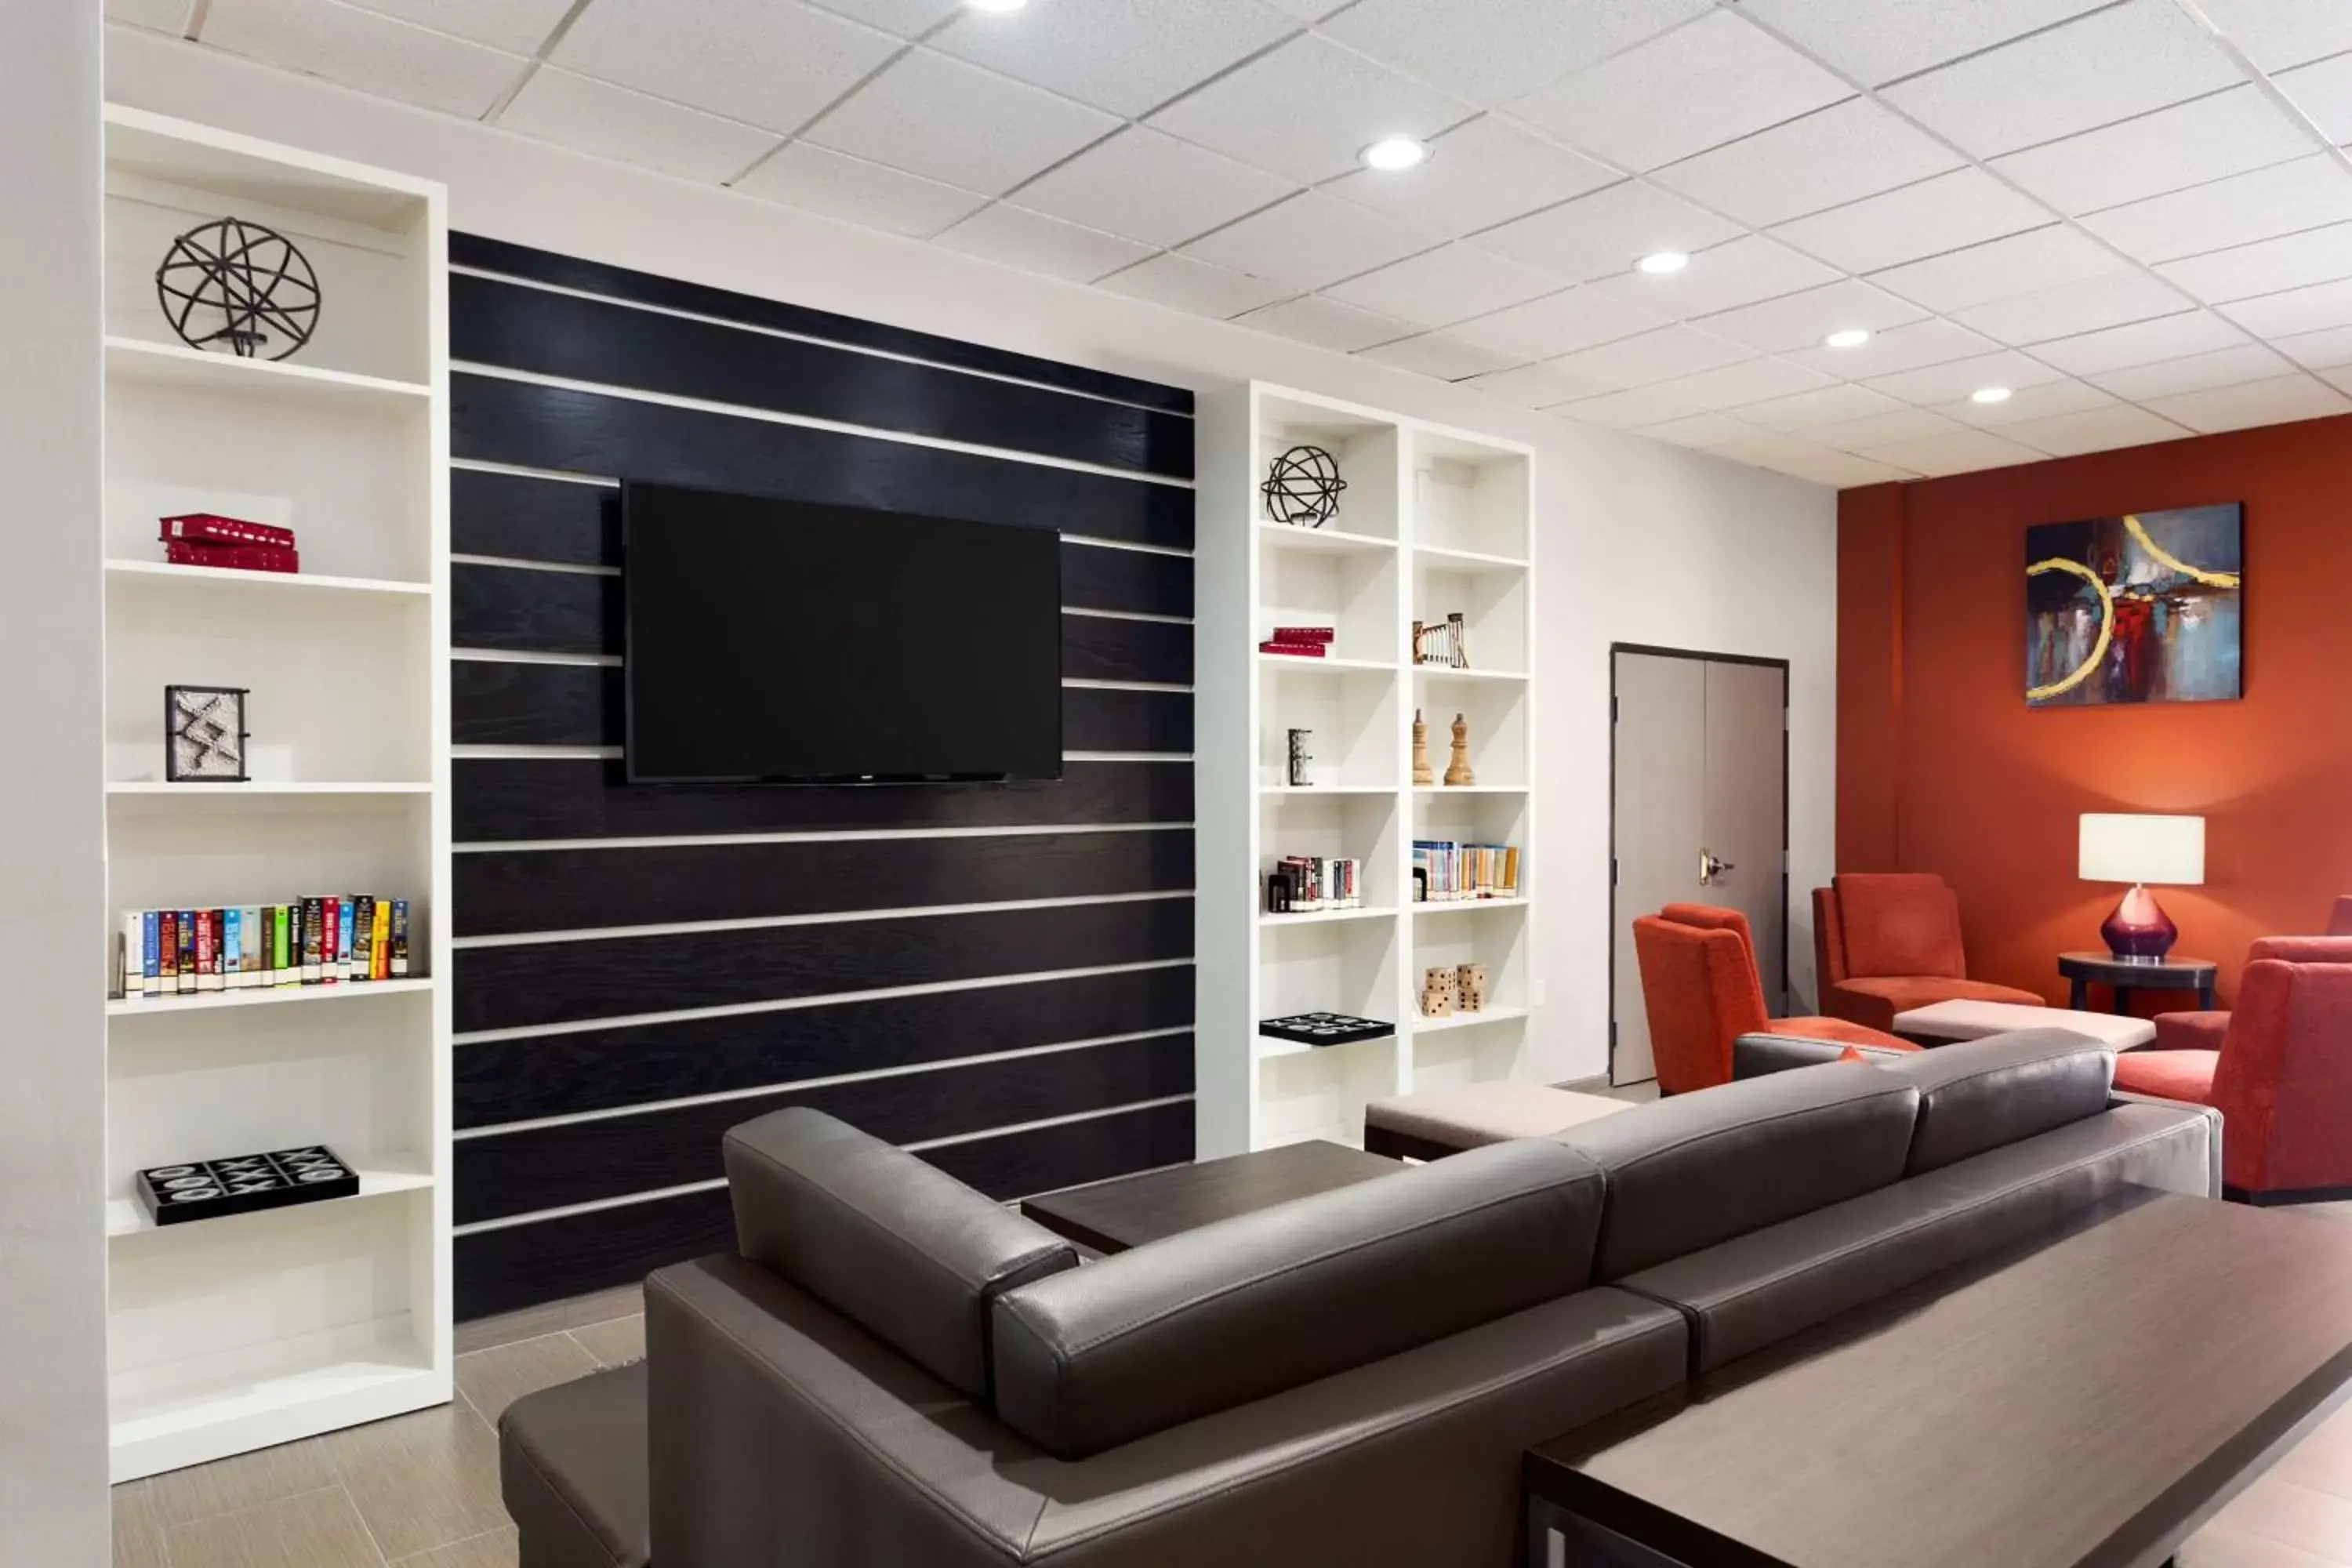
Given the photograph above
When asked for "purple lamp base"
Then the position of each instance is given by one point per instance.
(2139, 928)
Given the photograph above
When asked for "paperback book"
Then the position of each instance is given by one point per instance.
(328, 939)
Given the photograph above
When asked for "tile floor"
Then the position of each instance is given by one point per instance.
(421, 1490)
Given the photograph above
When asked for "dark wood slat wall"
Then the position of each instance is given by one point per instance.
(619, 1005)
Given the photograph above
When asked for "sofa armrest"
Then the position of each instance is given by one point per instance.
(781, 1432)
(2210, 1117)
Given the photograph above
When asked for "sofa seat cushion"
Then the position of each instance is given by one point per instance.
(1837, 1030)
(2184, 1076)
(571, 1467)
(2191, 1031)
(1474, 1115)
(1876, 1000)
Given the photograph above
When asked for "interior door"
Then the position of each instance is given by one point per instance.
(1699, 788)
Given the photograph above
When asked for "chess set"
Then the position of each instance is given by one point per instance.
(1325, 1029)
(209, 1189)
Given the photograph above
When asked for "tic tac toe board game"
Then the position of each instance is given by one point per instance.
(209, 1189)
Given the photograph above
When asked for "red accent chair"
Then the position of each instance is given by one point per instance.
(1699, 984)
(2339, 919)
(1888, 941)
(2205, 1031)
(2282, 1081)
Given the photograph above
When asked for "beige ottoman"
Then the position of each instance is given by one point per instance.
(1948, 1021)
(1441, 1121)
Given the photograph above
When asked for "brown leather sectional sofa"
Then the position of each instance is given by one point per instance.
(894, 1371)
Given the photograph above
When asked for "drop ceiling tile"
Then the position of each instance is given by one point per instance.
(2084, 307)
(1802, 321)
(2047, 401)
(2319, 307)
(1533, 385)
(1559, 324)
(2001, 269)
(1967, 206)
(2285, 198)
(1477, 175)
(1722, 279)
(2187, 144)
(1955, 379)
(1808, 411)
(1736, 385)
(948, 121)
(2324, 350)
(2141, 342)
(2097, 430)
(2274, 401)
(1714, 80)
(2339, 379)
(1307, 109)
(1148, 187)
(1490, 50)
(518, 26)
(2198, 372)
(2093, 71)
(1449, 284)
(834, 184)
(1803, 459)
(359, 49)
(2266, 266)
(1701, 430)
(1196, 287)
(629, 127)
(1439, 354)
(1878, 43)
(2276, 34)
(1827, 159)
(1962, 452)
(1624, 410)
(1310, 10)
(1310, 240)
(1603, 234)
(1652, 357)
(1931, 342)
(1883, 429)
(2323, 91)
(1035, 243)
(1326, 323)
(771, 63)
(907, 18)
(164, 15)
(1127, 56)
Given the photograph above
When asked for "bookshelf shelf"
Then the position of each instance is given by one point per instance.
(241, 1332)
(1434, 522)
(1468, 1020)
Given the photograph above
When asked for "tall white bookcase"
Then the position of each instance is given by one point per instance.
(234, 1334)
(1433, 521)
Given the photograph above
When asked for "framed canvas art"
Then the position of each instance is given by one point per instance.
(2145, 607)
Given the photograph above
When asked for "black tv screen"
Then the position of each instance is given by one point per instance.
(781, 641)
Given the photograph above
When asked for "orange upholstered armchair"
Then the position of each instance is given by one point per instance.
(1884, 942)
(2282, 1081)
(2205, 1031)
(1700, 986)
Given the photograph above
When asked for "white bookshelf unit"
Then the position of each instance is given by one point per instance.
(1433, 522)
(230, 1334)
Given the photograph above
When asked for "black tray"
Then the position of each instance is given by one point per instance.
(1325, 1029)
(244, 1183)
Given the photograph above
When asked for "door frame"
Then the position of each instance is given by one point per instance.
(1654, 651)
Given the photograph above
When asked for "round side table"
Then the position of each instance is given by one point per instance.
(2129, 975)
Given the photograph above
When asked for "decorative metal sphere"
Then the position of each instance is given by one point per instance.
(1304, 488)
(235, 283)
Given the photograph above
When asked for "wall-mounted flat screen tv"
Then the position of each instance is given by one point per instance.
(776, 641)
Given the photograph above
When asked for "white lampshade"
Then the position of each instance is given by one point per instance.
(2117, 847)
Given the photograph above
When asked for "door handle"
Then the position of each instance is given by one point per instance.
(1711, 866)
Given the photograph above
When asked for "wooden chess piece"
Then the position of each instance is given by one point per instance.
(1422, 772)
(1457, 769)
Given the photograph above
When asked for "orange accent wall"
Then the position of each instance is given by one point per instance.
(1942, 767)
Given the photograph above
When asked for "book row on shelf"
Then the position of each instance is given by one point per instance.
(207, 538)
(1300, 642)
(1305, 884)
(1447, 872)
(323, 940)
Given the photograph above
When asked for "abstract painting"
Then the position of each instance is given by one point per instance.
(2145, 607)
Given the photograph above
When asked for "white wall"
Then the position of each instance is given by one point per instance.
(1639, 541)
(53, 1498)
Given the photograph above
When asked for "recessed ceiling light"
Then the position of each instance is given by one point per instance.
(1394, 152)
(1851, 338)
(997, 4)
(1658, 263)
(1989, 394)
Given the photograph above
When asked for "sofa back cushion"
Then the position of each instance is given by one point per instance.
(1698, 1169)
(1899, 922)
(1248, 1307)
(1979, 1095)
(902, 1250)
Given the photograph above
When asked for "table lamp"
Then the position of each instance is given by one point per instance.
(2138, 849)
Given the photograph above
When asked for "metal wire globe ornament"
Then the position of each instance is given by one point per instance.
(236, 283)
(1303, 489)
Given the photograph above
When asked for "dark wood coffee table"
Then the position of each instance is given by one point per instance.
(2129, 975)
(1111, 1217)
(2087, 1406)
